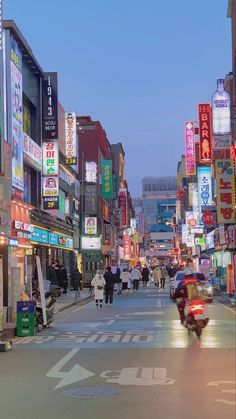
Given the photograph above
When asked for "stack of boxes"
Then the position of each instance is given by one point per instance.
(26, 318)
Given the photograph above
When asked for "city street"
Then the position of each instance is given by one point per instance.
(131, 360)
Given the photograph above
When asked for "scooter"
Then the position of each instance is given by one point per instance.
(50, 301)
(195, 316)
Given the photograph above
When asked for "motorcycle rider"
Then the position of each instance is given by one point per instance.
(186, 290)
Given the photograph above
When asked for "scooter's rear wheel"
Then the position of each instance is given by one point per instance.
(198, 331)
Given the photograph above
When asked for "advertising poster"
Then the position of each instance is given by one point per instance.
(91, 243)
(222, 142)
(50, 158)
(32, 152)
(122, 205)
(204, 186)
(91, 171)
(17, 156)
(50, 111)
(190, 161)
(90, 225)
(107, 179)
(70, 136)
(226, 213)
(221, 110)
(205, 132)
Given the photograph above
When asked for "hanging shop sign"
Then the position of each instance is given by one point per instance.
(91, 171)
(90, 199)
(39, 235)
(187, 237)
(50, 111)
(107, 179)
(50, 202)
(91, 243)
(65, 176)
(107, 234)
(90, 225)
(21, 230)
(122, 205)
(33, 154)
(204, 185)
(16, 117)
(106, 211)
(190, 161)
(230, 235)
(221, 110)
(50, 158)
(205, 133)
(191, 219)
(208, 218)
(50, 186)
(70, 136)
(127, 246)
(226, 213)
(222, 142)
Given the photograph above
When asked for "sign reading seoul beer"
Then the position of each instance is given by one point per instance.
(70, 134)
(205, 132)
(226, 213)
(50, 114)
(190, 149)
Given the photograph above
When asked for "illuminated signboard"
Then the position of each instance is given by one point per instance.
(190, 161)
(47, 237)
(50, 186)
(90, 225)
(204, 186)
(205, 133)
(127, 245)
(226, 213)
(221, 110)
(50, 111)
(91, 171)
(107, 180)
(122, 205)
(32, 152)
(50, 158)
(91, 243)
(70, 134)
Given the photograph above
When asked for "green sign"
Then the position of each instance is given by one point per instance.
(107, 178)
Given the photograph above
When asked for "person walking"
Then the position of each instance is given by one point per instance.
(164, 275)
(57, 268)
(52, 276)
(171, 270)
(63, 278)
(135, 277)
(145, 275)
(156, 276)
(109, 287)
(125, 277)
(76, 279)
(99, 283)
(118, 281)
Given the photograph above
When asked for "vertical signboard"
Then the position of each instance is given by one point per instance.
(91, 171)
(204, 186)
(190, 161)
(205, 133)
(226, 213)
(122, 205)
(50, 179)
(127, 245)
(107, 179)
(90, 225)
(16, 116)
(90, 199)
(221, 110)
(50, 158)
(50, 112)
(70, 135)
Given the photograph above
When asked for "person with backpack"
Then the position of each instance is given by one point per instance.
(118, 281)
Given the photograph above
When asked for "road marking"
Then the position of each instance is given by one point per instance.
(144, 313)
(138, 376)
(80, 308)
(77, 373)
(225, 391)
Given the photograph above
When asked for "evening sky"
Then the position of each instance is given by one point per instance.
(140, 67)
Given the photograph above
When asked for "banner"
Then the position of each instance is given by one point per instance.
(107, 179)
(226, 213)
(205, 133)
(70, 136)
(122, 205)
(190, 161)
(50, 112)
(90, 225)
(204, 186)
(91, 171)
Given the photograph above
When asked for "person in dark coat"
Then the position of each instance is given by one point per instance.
(118, 281)
(145, 275)
(63, 278)
(57, 268)
(76, 279)
(52, 276)
(109, 287)
(171, 271)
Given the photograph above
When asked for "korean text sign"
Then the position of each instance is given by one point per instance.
(122, 205)
(50, 111)
(107, 178)
(70, 134)
(190, 149)
(50, 158)
(225, 191)
(204, 186)
(205, 132)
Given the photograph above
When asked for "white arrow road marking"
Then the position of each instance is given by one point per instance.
(217, 383)
(225, 391)
(77, 373)
(225, 401)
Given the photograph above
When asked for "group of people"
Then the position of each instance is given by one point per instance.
(57, 274)
(161, 273)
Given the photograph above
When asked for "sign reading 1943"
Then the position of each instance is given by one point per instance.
(50, 115)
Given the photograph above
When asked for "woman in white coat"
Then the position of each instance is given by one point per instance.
(98, 283)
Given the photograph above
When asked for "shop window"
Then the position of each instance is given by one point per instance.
(29, 118)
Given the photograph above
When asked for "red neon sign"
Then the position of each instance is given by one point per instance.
(205, 133)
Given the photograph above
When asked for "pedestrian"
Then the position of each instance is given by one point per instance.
(145, 275)
(157, 276)
(171, 271)
(109, 287)
(135, 277)
(118, 281)
(63, 278)
(164, 275)
(57, 267)
(52, 276)
(98, 282)
(125, 277)
(76, 279)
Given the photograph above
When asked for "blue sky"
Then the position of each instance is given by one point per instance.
(140, 67)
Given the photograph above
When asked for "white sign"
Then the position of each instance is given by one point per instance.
(91, 243)
(33, 152)
(221, 110)
(91, 171)
(70, 134)
(220, 142)
(50, 186)
(191, 219)
(187, 237)
(90, 225)
(50, 158)
(204, 186)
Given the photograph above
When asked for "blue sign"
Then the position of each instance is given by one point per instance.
(39, 235)
(13, 242)
(47, 237)
(204, 185)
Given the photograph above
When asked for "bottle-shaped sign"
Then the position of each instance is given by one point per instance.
(221, 110)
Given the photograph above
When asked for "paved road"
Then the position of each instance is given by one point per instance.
(131, 361)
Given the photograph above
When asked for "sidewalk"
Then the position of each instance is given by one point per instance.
(68, 299)
(224, 298)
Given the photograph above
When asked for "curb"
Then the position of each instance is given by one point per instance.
(231, 302)
(80, 303)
